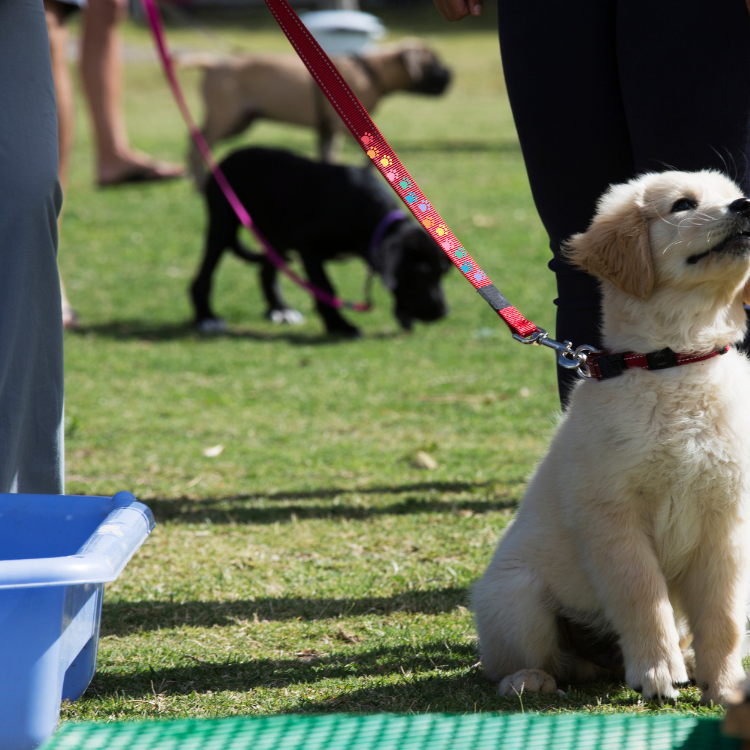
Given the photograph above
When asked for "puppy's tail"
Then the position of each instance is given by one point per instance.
(203, 60)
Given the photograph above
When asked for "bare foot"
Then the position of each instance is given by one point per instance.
(136, 167)
(70, 318)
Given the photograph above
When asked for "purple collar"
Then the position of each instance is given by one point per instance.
(377, 236)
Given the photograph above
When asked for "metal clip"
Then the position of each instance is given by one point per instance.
(533, 338)
(567, 357)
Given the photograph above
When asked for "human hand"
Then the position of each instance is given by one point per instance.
(455, 10)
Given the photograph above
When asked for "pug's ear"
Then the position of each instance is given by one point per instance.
(412, 60)
(616, 248)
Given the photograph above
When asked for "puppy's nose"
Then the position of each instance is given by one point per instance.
(740, 206)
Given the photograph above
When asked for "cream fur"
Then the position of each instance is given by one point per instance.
(637, 516)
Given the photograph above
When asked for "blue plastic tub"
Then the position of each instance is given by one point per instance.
(56, 554)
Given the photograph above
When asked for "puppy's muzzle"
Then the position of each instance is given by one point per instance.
(737, 242)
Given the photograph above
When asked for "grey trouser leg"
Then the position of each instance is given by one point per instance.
(31, 352)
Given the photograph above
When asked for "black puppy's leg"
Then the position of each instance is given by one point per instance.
(221, 233)
(335, 323)
(278, 311)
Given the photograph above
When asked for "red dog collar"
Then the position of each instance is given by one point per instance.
(603, 365)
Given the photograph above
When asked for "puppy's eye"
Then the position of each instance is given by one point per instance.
(684, 204)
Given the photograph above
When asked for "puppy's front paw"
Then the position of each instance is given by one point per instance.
(530, 680)
(659, 682)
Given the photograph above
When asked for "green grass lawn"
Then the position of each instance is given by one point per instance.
(309, 566)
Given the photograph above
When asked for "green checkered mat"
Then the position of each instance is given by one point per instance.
(393, 732)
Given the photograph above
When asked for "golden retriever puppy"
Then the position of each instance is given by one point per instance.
(633, 532)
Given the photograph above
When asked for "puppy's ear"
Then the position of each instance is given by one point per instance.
(390, 255)
(616, 248)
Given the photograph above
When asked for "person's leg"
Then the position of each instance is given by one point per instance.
(58, 47)
(686, 85)
(31, 357)
(685, 77)
(101, 70)
(561, 73)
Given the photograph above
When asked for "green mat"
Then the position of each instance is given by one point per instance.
(391, 732)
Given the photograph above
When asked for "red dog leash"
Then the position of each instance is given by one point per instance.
(355, 117)
(364, 130)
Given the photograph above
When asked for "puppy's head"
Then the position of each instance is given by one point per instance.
(426, 72)
(412, 267)
(679, 241)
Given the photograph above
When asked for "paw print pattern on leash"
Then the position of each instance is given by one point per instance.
(391, 169)
(368, 141)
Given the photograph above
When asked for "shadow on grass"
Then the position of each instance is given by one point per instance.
(466, 692)
(385, 489)
(434, 676)
(231, 512)
(303, 668)
(251, 508)
(124, 617)
(142, 330)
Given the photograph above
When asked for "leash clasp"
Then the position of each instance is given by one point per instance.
(567, 357)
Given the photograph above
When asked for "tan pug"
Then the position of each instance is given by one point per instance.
(239, 90)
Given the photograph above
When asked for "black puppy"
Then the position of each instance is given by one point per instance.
(324, 212)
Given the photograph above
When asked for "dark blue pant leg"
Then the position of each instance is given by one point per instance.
(31, 357)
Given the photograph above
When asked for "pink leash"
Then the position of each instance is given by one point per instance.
(364, 130)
